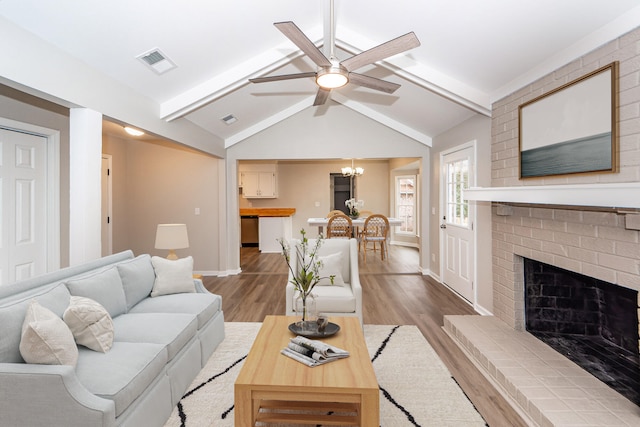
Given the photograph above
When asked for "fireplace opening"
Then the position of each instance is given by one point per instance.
(591, 322)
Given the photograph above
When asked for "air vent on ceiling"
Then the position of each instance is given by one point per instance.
(229, 119)
(157, 61)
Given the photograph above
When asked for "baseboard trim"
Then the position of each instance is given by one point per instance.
(218, 273)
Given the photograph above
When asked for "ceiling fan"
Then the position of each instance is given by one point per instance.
(332, 73)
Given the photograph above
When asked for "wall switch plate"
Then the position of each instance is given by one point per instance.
(197, 211)
(317, 204)
(433, 211)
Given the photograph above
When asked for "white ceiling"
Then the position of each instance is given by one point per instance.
(472, 53)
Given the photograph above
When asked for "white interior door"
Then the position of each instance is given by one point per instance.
(457, 236)
(23, 201)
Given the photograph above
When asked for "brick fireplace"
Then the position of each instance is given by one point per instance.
(547, 388)
(593, 243)
(591, 322)
(586, 224)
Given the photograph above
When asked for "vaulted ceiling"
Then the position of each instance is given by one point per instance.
(472, 53)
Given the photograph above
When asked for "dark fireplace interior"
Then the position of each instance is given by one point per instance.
(591, 322)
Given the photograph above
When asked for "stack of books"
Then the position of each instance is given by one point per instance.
(312, 352)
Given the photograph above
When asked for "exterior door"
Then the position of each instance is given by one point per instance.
(457, 236)
(23, 204)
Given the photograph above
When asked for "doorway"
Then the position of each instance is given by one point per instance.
(457, 237)
(107, 209)
(342, 189)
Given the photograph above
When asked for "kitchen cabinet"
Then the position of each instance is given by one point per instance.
(259, 185)
(273, 224)
(271, 230)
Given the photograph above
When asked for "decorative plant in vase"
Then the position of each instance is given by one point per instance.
(308, 269)
(354, 207)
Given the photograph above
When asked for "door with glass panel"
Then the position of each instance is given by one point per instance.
(457, 215)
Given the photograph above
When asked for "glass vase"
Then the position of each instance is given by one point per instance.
(305, 308)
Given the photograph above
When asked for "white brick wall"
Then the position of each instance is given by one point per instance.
(625, 50)
(594, 242)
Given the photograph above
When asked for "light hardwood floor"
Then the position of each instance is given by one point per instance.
(394, 293)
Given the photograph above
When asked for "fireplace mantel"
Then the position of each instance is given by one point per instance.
(616, 195)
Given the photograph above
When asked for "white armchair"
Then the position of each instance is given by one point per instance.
(333, 300)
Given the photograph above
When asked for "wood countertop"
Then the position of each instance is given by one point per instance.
(267, 211)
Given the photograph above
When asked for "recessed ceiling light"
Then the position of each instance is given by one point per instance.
(229, 119)
(132, 131)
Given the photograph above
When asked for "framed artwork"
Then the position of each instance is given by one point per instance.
(571, 129)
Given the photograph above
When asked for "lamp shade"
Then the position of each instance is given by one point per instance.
(172, 236)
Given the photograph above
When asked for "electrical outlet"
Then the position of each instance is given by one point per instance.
(433, 211)
(433, 257)
(317, 204)
(197, 211)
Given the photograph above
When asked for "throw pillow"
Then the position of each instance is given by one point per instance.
(105, 287)
(137, 279)
(172, 276)
(46, 339)
(331, 266)
(89, 323)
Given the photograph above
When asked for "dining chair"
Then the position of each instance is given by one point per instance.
(334, 212)
(339, 226)
(375, 230)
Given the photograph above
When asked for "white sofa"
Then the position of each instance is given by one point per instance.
(333, 300)
(159, 346)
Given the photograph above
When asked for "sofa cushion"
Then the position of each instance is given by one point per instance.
(202, 305)
(172, 276)
(89, 323)
(336, 299)
(12, 313)
(123, 373)
(171, 330)
(137, 279)
(103, 286)
(46, 339)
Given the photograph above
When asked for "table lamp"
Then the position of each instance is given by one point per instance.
(172, 237)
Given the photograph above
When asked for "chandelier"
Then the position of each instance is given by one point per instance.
(352, 171)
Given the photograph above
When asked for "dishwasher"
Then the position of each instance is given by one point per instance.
(249, 226)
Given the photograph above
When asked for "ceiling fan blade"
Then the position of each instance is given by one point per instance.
(322, 96)
(373, 83)
(385, 50)
(282, 77)
(296, 35)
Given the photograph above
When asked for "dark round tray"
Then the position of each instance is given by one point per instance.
(331, 329)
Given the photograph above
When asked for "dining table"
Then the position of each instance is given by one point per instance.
(357, 222)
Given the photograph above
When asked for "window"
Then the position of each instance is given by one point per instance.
(406, 204)
(457, 181)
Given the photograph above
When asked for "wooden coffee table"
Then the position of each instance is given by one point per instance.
(273, 388)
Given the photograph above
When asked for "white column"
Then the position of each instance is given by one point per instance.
(85, 154)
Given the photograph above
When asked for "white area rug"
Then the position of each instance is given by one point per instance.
(416, 389)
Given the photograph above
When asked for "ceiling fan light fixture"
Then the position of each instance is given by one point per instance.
(332, 78)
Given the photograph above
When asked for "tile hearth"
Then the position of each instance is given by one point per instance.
(545, 387)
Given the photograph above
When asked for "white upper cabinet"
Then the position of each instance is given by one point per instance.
(259, 181)
(258, 184)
